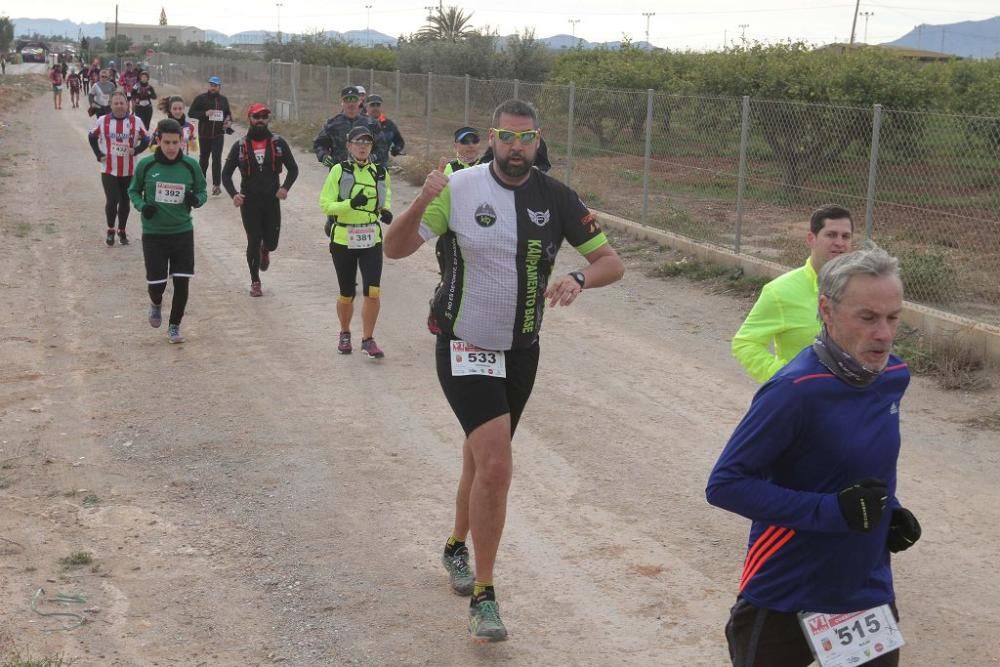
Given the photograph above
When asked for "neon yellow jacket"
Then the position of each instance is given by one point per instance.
(786, 313)
(340, 188)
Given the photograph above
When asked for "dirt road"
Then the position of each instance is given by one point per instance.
(252, 498)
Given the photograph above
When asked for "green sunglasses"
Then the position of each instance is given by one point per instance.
(508, 136)
(350, 98)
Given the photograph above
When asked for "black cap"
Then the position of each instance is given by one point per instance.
(349, 90)
(373, 98)
(359, 131)
(463, 132)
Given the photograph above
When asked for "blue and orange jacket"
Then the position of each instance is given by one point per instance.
(807, 436)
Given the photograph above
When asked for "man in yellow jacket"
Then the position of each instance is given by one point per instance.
(356, 198)
(786, 313)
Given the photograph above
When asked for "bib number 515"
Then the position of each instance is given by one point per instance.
(847, 634)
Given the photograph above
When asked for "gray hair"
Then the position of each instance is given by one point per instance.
(869, 261)
(516, 108)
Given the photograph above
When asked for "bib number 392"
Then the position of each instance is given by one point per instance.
(169, 193)
(854, 638)
(467, 359)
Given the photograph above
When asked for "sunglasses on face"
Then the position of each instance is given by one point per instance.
(465, 141)
(374, 104)
(260, 116)
(350, 98)
(508, 136)
(362, 142)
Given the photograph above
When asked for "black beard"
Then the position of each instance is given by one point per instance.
(514, 172)
(258, 132)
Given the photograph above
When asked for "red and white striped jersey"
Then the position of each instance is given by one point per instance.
(117, 138)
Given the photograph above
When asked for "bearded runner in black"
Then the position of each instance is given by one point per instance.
(260, 156)
(503, 224)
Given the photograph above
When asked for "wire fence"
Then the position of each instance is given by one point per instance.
(740, 173)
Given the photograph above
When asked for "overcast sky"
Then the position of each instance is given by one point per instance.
(675, 25)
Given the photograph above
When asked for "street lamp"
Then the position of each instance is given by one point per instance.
(368, 24)
(573, 23)
(648, 16)
(867, 15)
(279, 6)
(743, 32)
(430, 12)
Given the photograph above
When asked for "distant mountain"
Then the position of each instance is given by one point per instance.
(558, 42)
(365, 37)
(969, 39)
(27, 27)
(220, 38)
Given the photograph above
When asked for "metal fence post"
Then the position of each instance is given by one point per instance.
(371, 80)
(295, 88)
(399, 94)
(430, 88)
(872, 171)
(517, 87)
(326, 96)
(348, 82)
(741, 183)
(647, 156)
(569, 134)
(467, 80)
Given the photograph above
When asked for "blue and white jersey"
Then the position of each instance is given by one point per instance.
(500, 243)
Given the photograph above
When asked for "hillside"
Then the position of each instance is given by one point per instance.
(969, 39)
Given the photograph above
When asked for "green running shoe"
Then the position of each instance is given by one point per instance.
(459, 573)
(484, 620)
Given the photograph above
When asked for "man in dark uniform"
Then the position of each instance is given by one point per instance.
(211, 110)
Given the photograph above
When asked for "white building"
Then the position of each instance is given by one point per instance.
(155, 34)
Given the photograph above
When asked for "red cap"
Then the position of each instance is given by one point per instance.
(257, 107)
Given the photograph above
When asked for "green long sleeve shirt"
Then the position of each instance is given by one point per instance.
(785, 315)
(165, 185)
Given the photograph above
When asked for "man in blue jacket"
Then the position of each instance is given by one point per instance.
(813, 466)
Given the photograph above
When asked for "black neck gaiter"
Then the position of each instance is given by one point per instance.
(842, 364)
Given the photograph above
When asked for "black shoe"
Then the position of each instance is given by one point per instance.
(110, 240)
(122, 238)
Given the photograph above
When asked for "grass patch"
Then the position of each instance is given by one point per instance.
(18, 659)
(929, 276)
(952, 364)
(21, 229)
(296, 133)
(77, 559)
(91, 500)
(415, 169)
(722, 279)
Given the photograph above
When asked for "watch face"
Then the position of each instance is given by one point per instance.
(578, 277)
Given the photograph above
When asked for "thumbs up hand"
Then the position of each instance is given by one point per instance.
(435, 182)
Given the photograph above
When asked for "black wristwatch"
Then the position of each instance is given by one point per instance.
(578, 277)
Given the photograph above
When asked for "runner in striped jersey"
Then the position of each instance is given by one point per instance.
(116, 139)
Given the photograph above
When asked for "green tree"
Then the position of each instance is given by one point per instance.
(450, 24)
(6, 34)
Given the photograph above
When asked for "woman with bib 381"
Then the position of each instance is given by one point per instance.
(356, 196)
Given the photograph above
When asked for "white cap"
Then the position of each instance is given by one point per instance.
(361, 89)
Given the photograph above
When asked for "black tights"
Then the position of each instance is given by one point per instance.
(116, 199)
(262, 222)
(180, 297)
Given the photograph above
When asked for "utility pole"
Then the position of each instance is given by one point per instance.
(867, 15)
(117, 57)
(943, 32)
(573, 23)
(743, 32)
(854, 23)
(368, 25)
(279, 6)
(648, 16)
(430, 12)
(920, 35)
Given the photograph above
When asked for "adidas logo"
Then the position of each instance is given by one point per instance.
(894, 409)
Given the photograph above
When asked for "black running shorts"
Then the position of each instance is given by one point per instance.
(476, 399)
(168, 255)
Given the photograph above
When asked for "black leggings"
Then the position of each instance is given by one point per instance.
(116, 199)
(262, 222)
(212, 147)
(180, 297)
(346, 262)
(146, 114)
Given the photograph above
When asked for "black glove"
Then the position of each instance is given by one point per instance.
(328, 227)
(229, 130)
(191, 199)
(394, 151)
(359, 200)
(328, 162)
(385, 215)
(100, 158)
(149, 210)
(904, 530)
(863, 503)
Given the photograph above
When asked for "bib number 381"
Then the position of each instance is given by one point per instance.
(854, 638)
(467, 359)
(360, 236)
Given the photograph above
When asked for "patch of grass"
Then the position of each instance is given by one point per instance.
(723, 279)
(21, 229)
(5, 483)
(91, 500)
(952, 364)
(986, 422)
(928, 275)
(77, 558)
(296, 133)
(18, 659)
(415, 169)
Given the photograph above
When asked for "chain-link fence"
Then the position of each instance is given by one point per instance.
(740, 173)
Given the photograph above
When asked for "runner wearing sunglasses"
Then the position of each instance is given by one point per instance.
(503, 224)
(260, 156)
(392, 138)
(356, 197)
(541, 157)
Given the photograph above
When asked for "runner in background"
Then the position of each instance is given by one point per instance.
(73, 82)
(173, 107)
(260, 156)
(392, 139)
(167, 185)
(116, 139)
(143, 95)
(128, 78)
(56, 79)
(100, 94)
(211, 111)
